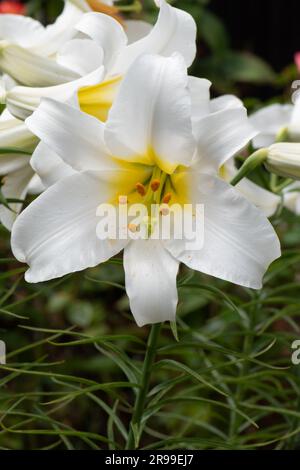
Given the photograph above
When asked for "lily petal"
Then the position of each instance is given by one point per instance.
(150, 275)
(220, 136)
(291, 197)
(150, 120)
(15, 186)
(239, 241)
(82, 56)
(174, 31)
(137, 29)
(14, 133)
(200, 96)
(106, 32)
(49, 166)
(56, 234)
(57, 34)
(75, 136)
(21, 30)
(268, 121)
(265, 200)
(31, 69)
(23, 101)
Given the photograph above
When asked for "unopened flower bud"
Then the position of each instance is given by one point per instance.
(284, 159)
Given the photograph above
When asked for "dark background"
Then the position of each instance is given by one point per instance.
(270, 29)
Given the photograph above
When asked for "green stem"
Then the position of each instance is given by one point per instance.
(256, 159)
(135, 7)
(141, 397)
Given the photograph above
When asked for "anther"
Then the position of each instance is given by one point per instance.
(140, 189)
(164, 209)
(133, 228)
(167, 198)
(155, 185)
(122, 199)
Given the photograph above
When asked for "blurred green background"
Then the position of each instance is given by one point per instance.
(223, 379)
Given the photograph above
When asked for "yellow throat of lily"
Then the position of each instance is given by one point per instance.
(97, 100)
(159, 193)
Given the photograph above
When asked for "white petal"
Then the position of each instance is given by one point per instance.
(75, 136)
(239, 241)
(80, 55)
(31, 69)
(106, 32)
(137, 29)
(294, 125)
(200, 96)
(224, 102)
(15, 186)
(10, 162)
(14, 133)
(82, 5)
(266, 201)
(19, 29)
(56, 234)
(150, 274)
(58, 33)
(23, 101)
(291, 197)
(269, 121)
(36, 186)
(150, 120)
(220, 136)
(49, 166)
(174, 31)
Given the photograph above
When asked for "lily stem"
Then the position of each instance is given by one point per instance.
(253, 161)
(141, 397)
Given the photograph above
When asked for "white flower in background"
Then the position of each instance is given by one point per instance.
(104, 42)
(284, 159)
(150, 133)
(270, 121)
(18, 175)
(174, 30)
(14, 164)
(265, 200)
(28, 49)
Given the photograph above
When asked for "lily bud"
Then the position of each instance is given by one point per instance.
(31, 69)
(284, 159)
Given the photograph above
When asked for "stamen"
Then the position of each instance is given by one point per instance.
(133, 228)
(155, 185)
(167, 198)
(122, 199)
(164, 209)
(140, 189)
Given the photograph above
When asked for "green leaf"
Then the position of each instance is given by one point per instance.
(213, 32)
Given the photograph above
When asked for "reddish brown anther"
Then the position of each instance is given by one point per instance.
(140, 189)
(155, 184)
(167, 198)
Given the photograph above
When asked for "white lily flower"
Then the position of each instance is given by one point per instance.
(149, 138)
(14, 164)
(174, 29)
(28, 49)
(17, 170)
(284, 159)
(265, 200)
(105, 42)
(269, 121)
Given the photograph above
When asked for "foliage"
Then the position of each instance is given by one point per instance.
(74, 361)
